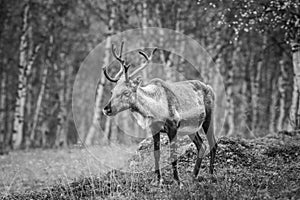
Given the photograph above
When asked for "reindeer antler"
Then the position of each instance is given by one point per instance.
(145, 64)
(123, 67)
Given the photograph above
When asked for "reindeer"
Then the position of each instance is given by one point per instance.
(177, 108)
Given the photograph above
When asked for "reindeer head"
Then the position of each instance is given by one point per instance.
(124, 93)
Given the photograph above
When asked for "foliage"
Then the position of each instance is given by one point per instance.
(262, 16)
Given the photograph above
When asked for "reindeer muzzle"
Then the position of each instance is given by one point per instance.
(107, 110)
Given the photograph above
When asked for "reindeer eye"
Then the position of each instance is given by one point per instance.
(126, 93)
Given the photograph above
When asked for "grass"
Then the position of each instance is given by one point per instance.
(266, 168)
(23, 171)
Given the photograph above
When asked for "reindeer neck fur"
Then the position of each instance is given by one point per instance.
(155, 102)
(150, 105)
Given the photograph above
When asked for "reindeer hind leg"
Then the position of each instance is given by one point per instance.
(200, 151)
(172, 134)
(208, 128)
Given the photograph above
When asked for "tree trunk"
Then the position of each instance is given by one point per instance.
(2, 109)
(282, 96)
(166, 57)
(255, 93)
(245, 98)
(25, 68)
(2, 97)
(29, 95)
(255, 87)
(8, 116)
(21, 92)
(68, 101)
(95, 126)
(99, 93)
(39, 104)
(230, 106)
(229, 89)
(44, 129)
(294, 110)
(60, 139)
(273, 105)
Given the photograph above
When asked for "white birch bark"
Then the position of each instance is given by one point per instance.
(21, 91)
(294, 110)
(62, 115)
(68, 100)
(29, 95)
(39, 104)
(97, 112)
(274, 99)
(282, 95)
(294, 114)
(2, 107)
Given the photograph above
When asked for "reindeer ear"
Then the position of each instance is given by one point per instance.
(136, 82)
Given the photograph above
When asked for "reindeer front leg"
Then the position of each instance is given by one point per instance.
(156, 128)
(156, 138)
(173, 156)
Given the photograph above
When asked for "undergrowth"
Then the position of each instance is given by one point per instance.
(264, 168)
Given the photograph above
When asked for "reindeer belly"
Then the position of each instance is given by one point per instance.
(191, 121)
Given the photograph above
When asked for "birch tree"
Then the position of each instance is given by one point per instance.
(40, 96)
(273, 105)
(3, 81)
(282, 82)
(62, 114)
(39, 103)
(2, 107)
(295, 108)
(2, 95)
(24, 69)
(21, 93)
(231, 66)
(64, 110)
